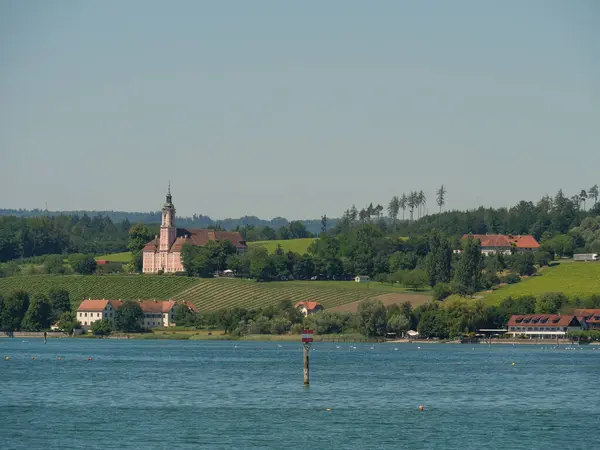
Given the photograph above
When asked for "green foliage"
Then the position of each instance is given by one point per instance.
(54, 264)
(68, 322)
(372, 318)
(38, 315)
(468, 270)
(522, 263)
(327, 322)
(300, 246)
(439, 260)
(398, 324)
(441, 291)
(542, 258)
(60, 302)
(101, 327)
(550, 303)
(82, 264)
(139, 236)
(128, 317)
(15, 306)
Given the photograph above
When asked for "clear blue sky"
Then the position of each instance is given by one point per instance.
(295, 109)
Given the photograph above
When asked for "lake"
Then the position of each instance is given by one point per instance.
(200, 394)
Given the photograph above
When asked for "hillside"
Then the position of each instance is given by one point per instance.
(294, 245)
(207, 294)
(568, 278)
(213, 294)
(105, 286)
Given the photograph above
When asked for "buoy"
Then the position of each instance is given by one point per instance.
(421, 408)
(328, 409)
(89, 359)
(513, 364)
(7, 358)
(32, 358)
(59, 358)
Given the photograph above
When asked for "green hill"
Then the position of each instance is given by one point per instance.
(569, 278)
(105, 286)
(213, 294)
(115, 257)
(295, 245)
(206, 294)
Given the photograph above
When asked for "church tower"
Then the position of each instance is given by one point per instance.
(168, 231)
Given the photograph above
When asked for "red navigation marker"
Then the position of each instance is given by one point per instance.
(307, 335)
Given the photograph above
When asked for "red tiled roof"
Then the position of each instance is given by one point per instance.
(502, 240)
(542, 320)
(590, 315)
(198, 237)
(310, 306)
(93, 305)
(527, 241)
(155, 306)
(191, 306)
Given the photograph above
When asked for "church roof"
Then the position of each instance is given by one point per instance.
(198, 237)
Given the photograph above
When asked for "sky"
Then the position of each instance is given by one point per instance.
(295, 109)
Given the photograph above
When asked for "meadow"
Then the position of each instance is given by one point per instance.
(294, 245)
(124, 257)
(572, 279)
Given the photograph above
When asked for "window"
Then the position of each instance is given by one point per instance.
(85, 314)
(85, 323)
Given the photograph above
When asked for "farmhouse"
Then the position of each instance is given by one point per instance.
(307, 307)
(163, 253)
(156, 313)
(505, 244)
(543, 326)
(590, 316)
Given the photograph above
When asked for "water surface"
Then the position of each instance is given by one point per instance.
(194, 394)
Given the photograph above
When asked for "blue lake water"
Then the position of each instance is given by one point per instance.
(195, 394)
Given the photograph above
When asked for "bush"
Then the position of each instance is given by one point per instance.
(441, 291)
(83, 264)
(101, 327)
(542, 258)
(511, 278)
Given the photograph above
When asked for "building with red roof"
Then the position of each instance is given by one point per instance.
(308, 307)
(157, 313)
(543, 326)
(163, 253)
(590, 316)
(505, 244)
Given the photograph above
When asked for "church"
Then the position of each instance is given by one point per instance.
(163, 253)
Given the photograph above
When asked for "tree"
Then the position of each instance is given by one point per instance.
(441, 197)
(412, 202)
(523, 263)
(15, 306)
(129, 317)
(414, 279)
(67, 322)
(398, 324)
(38, 315)
(468, 269)
(550, 303)
(297, 230)
(184, 316)
(439, 259)
(583, 197)
(101, 327)
(372, 317)
(139, 236)
(422, 202)
(60, 302)
(54, 264)
(324, 223)
(593, 193)
(394, 209)
(83, 264)
(403, 203)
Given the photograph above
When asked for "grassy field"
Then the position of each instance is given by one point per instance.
(209, 294)
(571, 279)
(105, 286)
(115, 257)
(295, 245)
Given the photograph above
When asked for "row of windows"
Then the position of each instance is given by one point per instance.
(108, 314)
(535, 329)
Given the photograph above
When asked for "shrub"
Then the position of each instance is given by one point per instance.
(441, 291)
(511, 278)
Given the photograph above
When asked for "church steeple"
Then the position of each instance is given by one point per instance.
(168, 232)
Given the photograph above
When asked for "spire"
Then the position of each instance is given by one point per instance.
(169, 198)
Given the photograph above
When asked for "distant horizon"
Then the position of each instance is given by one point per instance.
(270, 218)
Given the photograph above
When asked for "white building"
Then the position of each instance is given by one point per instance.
(157, 313)
(362, 279)
(543, 326)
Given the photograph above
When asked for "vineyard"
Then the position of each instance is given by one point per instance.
(294, 245)
(210, 295)
(106, 286)
(206, 294)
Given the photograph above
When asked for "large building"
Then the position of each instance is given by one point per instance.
(590, 316)
(156, 313)
(543, 326)
(163, 253)
(505, 244)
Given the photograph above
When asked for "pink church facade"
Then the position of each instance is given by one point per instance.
(163, 253)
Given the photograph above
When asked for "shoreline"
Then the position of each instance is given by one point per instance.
(204, 336)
